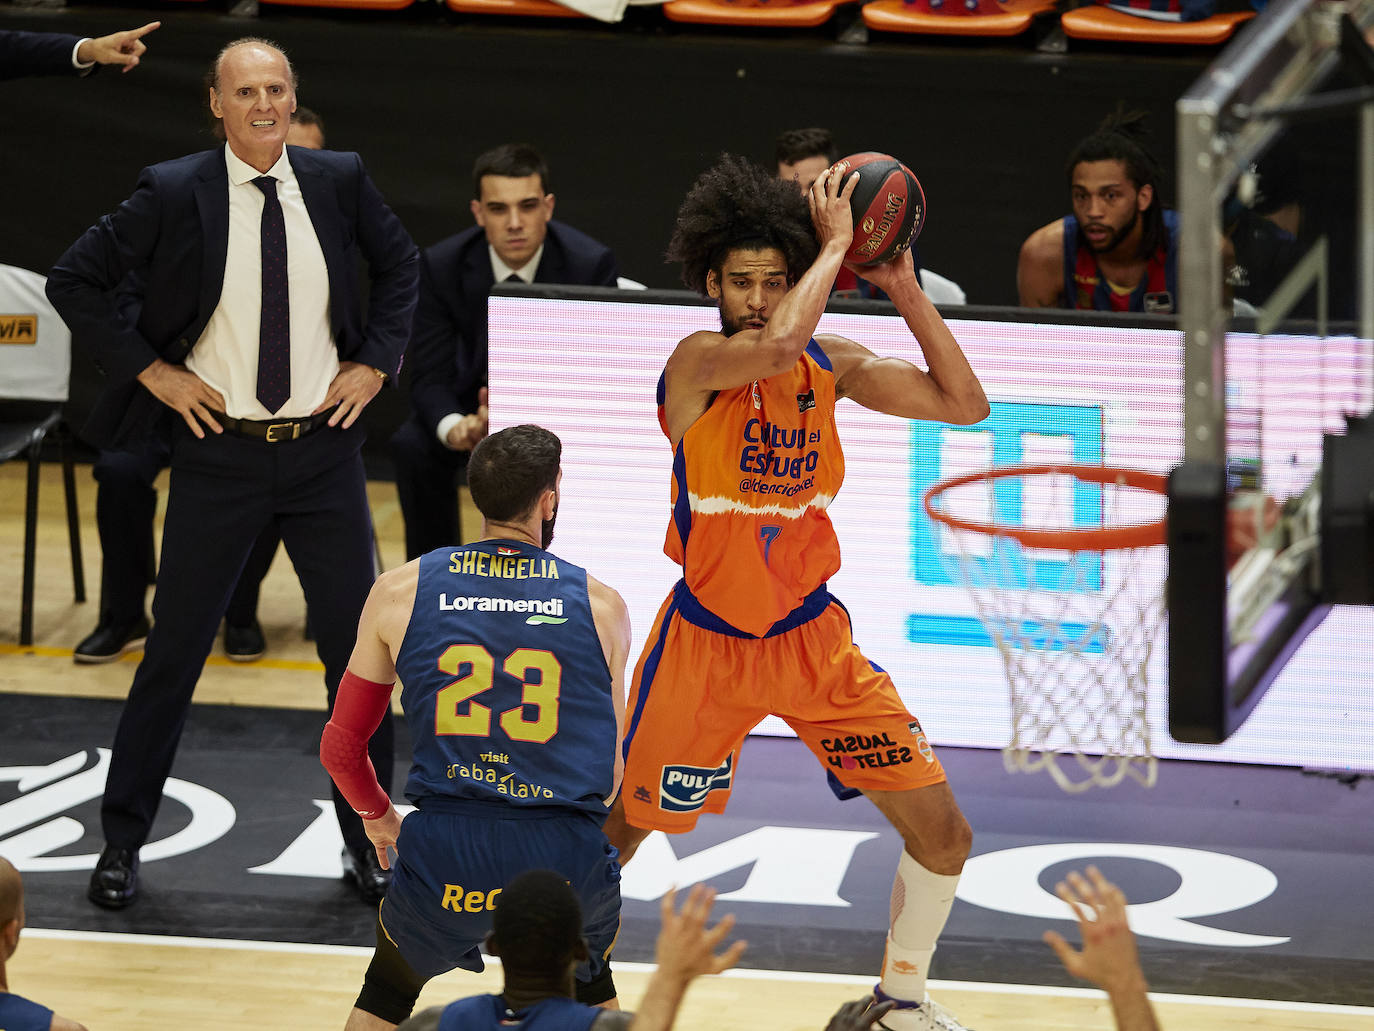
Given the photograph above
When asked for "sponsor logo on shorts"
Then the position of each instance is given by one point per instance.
(643, 794)
(469, 901)
(866, 751)
(549, 611)
(683, 789)
(922, 745)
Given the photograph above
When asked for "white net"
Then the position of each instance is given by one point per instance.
(1075, 627)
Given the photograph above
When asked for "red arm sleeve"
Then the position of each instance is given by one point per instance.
(358, 710)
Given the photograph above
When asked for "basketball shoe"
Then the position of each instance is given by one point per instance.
(909, 1016)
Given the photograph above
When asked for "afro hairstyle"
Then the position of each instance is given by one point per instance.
(736, 203)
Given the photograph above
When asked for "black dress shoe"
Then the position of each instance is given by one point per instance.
(114, 881)
(244, 643)
(109, 641)
(363, 869)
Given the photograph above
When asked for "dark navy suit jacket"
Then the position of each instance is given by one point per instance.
(448, 350)
(173, 234)
(36, 53)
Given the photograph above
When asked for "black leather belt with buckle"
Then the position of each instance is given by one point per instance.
(273, 431)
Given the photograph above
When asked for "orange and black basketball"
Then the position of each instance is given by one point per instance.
(888, 204)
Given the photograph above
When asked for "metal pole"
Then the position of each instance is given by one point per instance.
(1366, 216)
(1202, 315)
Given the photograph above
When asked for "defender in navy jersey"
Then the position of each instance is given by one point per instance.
(512, 662)
(16, 1012)
(535, 931)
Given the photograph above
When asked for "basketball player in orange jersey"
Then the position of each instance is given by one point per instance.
(751, 629)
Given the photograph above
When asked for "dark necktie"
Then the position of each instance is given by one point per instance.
(274, 337)
(513, 278)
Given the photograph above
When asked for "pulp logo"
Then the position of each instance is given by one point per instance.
(19, 329)
(683, 789)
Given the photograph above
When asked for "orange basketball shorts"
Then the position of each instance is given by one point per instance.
(700, 686)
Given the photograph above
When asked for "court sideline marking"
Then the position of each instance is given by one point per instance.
(865, 981)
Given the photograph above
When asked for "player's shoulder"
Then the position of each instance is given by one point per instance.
(690, 350)
(398, 583)
(1045, 244)
(839, 351)
(605, 596)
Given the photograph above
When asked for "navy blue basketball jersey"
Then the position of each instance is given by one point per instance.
(489, 1013)
(505, 687)
(18, 1014)
(1087, 289)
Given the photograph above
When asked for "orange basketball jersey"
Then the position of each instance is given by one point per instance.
(752, 478)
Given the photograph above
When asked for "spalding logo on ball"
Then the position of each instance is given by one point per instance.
(888, 205)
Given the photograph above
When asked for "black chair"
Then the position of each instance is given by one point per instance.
(35, 363)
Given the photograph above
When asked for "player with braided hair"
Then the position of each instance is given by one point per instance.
(1118, 251)
(751, 629)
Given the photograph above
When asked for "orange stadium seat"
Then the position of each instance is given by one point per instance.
(765, 13)
(1102, 23)
(952, 18)
(349, 5)
(514, 8)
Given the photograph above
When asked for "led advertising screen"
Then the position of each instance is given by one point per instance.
(588, 370)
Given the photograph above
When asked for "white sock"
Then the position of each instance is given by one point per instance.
(921, 902)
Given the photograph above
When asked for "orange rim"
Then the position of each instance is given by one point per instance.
(1133, 535)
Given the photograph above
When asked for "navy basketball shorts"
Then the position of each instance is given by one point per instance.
(451, 867)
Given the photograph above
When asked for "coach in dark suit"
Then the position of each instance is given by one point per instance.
(515, 239)
(251, 332)
(57, 53)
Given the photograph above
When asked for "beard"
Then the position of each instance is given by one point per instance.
(730, 326)
(1115, 239)
(546, 530)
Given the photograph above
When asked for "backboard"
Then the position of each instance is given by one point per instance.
(1253, 558)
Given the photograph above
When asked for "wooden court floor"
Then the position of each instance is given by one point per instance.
(132, 983)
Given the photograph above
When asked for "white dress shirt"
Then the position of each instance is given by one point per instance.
(226, 355)
(500, 272)
(76, 61)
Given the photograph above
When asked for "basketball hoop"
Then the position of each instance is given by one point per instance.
(1055, 559)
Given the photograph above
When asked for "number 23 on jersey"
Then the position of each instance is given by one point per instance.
(457, 711)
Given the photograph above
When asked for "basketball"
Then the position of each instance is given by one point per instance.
(888, 204)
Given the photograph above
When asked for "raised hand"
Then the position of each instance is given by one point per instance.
(889, 274)
(686, 946)
(830, 211)
(1108, 957)
(123, 48)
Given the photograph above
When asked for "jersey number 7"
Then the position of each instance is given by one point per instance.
(457, 712)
